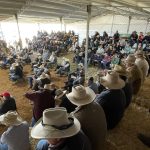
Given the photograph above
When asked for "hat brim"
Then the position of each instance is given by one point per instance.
(44, 132)
(110, 85)
(87, 99)
(58, 97)
(17, 122)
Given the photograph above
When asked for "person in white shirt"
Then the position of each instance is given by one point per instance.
(17, 135)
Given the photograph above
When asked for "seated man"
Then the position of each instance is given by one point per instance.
(16, 72)
(64, 69)
(63, 100)
(113, 99)
(7, 104)
(17, 135)
(92, 85)
(74, 79)
(59, 131)
(90, 115)
(52, 60)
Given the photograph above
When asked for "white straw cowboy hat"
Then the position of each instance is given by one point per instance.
(43, 76)
(59, 93)
(81, 95)
(121, 70)
(131, 59)
(11, 118)
(55, 123)
(112, 80)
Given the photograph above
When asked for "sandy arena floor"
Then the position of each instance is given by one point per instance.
(123, 137)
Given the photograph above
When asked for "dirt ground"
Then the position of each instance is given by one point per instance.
(123, 137)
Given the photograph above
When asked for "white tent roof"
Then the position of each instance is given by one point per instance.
(73, 10)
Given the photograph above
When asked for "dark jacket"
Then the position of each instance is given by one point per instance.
(67, 104)
(7, 105)
(42, 100)
(128, 91)
(113, 103)
(76, 142)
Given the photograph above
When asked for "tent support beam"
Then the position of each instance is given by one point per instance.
(61, 23)
(148, 20)
(112, 24)
(2, 32)
(129, 24)
(20, 41)
(87, 37)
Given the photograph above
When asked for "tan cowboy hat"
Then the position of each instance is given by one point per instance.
(55, 123)
(80, 65)
(139, 53)
(66, 59)
(131, 59)
(81, 95)
(11, 118)
(47, 86)
(59, 93)
(112, 81)
(121, 70)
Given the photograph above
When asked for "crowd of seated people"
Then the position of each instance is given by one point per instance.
(54, 42)
(102, 48)
(63, 118)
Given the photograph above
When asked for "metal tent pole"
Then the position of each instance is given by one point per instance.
(20, 41)
(112, 24)
(129, 24)
(148, 20)
(2, 32)
(87, 38)
(39, 27)
(61, 23)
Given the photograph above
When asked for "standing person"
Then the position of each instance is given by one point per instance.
(135, 74)
(16, 137)
(128, 91)
(142, 63)
(59, 131)
(90, 115)
(42, 100)
(7, 104)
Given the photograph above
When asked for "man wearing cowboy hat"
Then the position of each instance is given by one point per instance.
(59, 131)
(7, 104)
(128, 91)
(17, 135)
(43, 79)
(142, 63)
(64, 102)
(65, 68)
(42, 100)
(90, 115)
(135, 75)
(112, 99)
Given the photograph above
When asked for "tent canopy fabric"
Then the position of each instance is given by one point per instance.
(71, 10)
